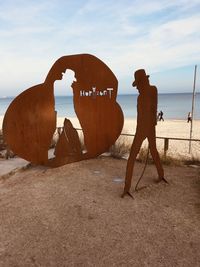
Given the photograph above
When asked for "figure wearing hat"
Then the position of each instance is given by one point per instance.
(146, 122)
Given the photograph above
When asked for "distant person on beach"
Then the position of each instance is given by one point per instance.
(161, 116)
(158, 116)
(189, 118)
(146, 122)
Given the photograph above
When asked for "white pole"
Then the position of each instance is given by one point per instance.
(193, 98)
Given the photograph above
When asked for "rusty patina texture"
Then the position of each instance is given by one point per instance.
(146, 123)
(30, 120)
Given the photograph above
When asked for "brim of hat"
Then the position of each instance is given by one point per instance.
(135, 82)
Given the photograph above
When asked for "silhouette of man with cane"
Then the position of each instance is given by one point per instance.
(146, 122)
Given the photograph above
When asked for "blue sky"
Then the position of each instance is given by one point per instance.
(161, 36)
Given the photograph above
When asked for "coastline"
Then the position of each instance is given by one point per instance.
(130, 125)
(174, 128)
(168, 129)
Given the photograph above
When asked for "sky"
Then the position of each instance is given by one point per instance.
(163, 37)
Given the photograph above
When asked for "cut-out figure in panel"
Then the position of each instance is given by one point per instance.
(68, 145)
(94, 94)
(30, 120)
(94, 97)
(146, 122)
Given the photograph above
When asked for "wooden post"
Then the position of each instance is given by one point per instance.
(166, 146)
(193, 98)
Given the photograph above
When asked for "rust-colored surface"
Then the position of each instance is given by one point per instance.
(146, 123)
(30, 120)
(68, 147)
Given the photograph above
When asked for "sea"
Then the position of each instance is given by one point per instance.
(173, 105)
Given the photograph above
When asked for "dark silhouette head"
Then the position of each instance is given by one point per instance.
(55, 73)
(141, 79)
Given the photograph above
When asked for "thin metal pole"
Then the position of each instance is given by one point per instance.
(193, 98)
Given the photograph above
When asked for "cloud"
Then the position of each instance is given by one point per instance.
(156, 35)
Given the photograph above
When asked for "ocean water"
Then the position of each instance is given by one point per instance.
(174, 106)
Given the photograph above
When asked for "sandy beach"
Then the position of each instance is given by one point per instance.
(73, 216)
(168, 128)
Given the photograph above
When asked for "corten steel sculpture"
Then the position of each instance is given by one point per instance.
(30, 120)
(146, 122)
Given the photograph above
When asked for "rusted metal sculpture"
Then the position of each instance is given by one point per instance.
(30, 120)
(68, 145)
(146, 122)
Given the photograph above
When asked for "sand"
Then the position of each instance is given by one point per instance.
(74, 216)
(168, 128)
(173, 129)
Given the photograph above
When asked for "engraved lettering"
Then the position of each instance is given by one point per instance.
(94, 92)
(110, 91)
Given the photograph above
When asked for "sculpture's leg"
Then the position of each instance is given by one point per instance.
(137, 142)
(156, 157)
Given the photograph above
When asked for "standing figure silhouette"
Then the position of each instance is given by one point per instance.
(146, 122)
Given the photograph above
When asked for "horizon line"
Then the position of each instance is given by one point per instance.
(120, 94)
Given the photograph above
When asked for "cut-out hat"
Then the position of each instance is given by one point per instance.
(139, 75)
